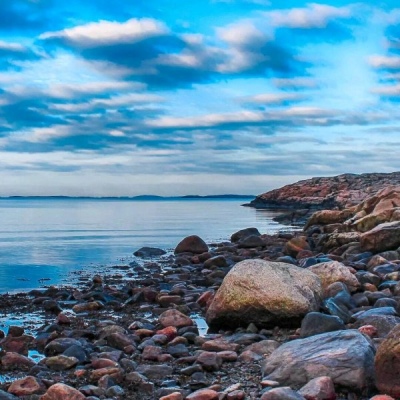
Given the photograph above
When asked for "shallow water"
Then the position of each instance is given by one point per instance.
(42, 240)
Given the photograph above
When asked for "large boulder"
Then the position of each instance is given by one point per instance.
(265, 293)
(334, 271)
(387, 364)
(383, 237)
(244, 233)
(191, 244)
(346, 356)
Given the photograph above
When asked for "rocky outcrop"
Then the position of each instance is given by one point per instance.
(264, 293)
(337, 192)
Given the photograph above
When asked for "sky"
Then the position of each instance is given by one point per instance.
(170, 97)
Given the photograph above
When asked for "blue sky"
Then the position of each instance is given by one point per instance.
(214, 96)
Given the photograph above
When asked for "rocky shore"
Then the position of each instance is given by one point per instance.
(299, 200)
(309, 315)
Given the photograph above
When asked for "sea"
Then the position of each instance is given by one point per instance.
(48, 241)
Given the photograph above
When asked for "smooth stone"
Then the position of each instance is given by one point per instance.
(191, 244)
(146, 252)
(347, 357)
(321, 388)
(282, 393)
(243, 233)
(315, 323)
(60, 391)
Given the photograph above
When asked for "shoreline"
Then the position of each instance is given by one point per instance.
(105, 337)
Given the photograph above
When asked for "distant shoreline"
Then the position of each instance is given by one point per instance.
(133, 198)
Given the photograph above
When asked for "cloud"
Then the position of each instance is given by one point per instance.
(313, 16)
(107, 33)
(271, 98)
(388, 91)
(295, 83)
(384, 62)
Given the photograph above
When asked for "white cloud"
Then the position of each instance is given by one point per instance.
(389, 91)
(377, 61)
(313, 16)
(17, 47)
(296, 83)
(107, 32)
(271, 98)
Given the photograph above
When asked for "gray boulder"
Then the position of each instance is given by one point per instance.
(346, 356)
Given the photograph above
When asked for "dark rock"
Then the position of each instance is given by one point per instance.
(315, 323)
(147, 252)
(191, 244)
(250, 242)
(243, 233)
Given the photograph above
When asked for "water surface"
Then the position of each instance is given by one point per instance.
(41, 240)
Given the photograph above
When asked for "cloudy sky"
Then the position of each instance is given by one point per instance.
(173, 97)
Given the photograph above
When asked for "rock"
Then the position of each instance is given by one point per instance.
(383, 237)
(154, 371)
(147, 252)
(383, 323)
(26, 386)
(243, 233)
(58, 346)
(14, 361)
(328, 217)
(174, 318)
(191, 244)
(87, 307)
(295, 245)
(60, 391)
(172, 396)
(265, 293)
(209, 361)
(7, 396)
(334, 271)
(251, 241)
(203, 394)
(382, 397)
(347, 357)
(315, 323)
(387, 364)
(282, 393)
(61, 363)
(321, 388)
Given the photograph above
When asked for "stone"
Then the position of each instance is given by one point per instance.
(347, 357)
(61, 362)
(210, 361)
(383, 323)
(320, 388)
(203, 394)
(87, 307)
(282, 393)
(174, 318)
(155, 371)
(7, 396)
(387, 364)
(243, 233)
(334, 271)
(264, 293)
(26, 386)
(295, 245)
(14, 361)
(147, 252)
(60, 391)
(383, 237)
(315, 323)
(191, 244)
(58, 346)
(172, 396)
(327, 217)
(219, 344)
(251, 241)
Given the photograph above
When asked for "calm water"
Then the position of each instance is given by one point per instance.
(47, 238)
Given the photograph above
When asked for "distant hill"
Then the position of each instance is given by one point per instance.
(326, 192)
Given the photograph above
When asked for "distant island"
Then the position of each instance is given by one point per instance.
(140, 197)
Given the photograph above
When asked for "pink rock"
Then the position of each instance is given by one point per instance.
(382, 397)
(172, 396)
(321, 388)
(59, 391)
(26, 386)
(203, 394)
(12, 361)
(174, 318)
(369, 330)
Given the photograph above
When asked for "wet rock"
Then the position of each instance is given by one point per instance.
(219, 344)
(15, 331)
(147, 252)
(315, 323)
(26, 386)
(60, 391)
(295, 245)
(265, 293)
(250, 242)
(155, 371)
(347, 357)
(87, 307)
(17, 344)
(191, 244)
(58, 346)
